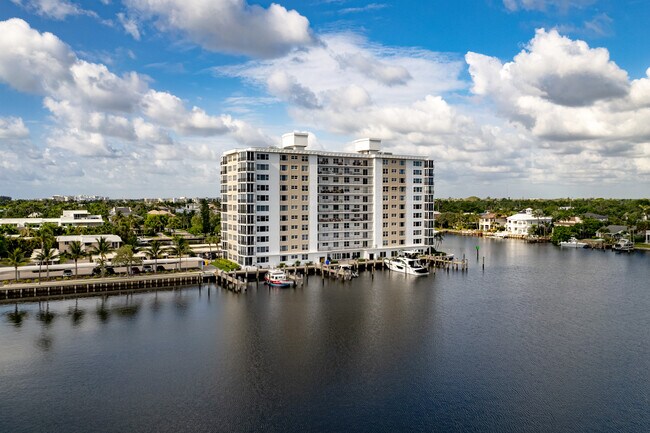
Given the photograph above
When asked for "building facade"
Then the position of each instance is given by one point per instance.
(489, 221)
(290, 204)
(88, 242)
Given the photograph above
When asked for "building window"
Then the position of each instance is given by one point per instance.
(262, 166)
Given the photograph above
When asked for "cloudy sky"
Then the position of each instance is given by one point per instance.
(138, 98)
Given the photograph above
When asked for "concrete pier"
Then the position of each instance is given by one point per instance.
(32, 291)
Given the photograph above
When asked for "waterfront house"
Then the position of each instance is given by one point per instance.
(489, 221)
(87, 241)
(520, 223)
(612, 232)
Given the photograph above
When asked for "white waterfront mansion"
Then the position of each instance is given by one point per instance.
(519, 223)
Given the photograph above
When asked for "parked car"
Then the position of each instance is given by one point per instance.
(147, 268)
(67, 272)
(108, 271)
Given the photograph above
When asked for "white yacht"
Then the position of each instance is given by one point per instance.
(624, 245)
(406, 265)
(573, 243)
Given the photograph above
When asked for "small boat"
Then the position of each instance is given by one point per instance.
(406, 265)
(500, 235)
(277, 278)
(573, 243)
(347, 269)
(624, 245)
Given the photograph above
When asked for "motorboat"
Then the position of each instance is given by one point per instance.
(573, 243)
(406, 265)
(624, 245)
(348, 270)
(500, 235)
(277, 278)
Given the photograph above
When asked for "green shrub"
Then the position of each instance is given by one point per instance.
(226, 265)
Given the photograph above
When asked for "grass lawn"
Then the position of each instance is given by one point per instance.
(225, 265)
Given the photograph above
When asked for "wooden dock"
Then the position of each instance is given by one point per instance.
(445, 263)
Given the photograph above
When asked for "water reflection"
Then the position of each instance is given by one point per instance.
(44, 342)
(16, 317)
(103, 311)
(45, 316)
(530, 343)
(76, 314)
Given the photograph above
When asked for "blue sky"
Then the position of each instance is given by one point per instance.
(138, 98)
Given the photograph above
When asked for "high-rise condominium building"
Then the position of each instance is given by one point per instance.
(290, 204)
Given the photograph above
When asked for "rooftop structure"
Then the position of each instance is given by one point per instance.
(292, 204)
(87, 241)
(69, 218)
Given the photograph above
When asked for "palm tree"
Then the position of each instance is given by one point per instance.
(45, 235)
(179, 248)
(154, 251)
(46, 255)
(16, 258)
(210, 240)
(101, 249)
(438, 236)
(125, 256)
(76, 252)
(538, 213)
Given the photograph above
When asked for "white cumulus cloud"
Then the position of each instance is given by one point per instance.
(229, 26)
(13, 128)
(56, 9)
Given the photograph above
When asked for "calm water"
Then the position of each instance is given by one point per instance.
(543, 340)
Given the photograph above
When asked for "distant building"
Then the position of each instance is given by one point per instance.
(69, 218)
(188, 208)
(520, 223)
(125, 211)
(595, 216)
(489, 221)
(569, 222)
(87, 241)
(160, 212)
